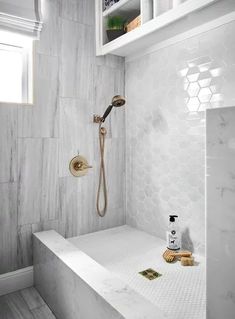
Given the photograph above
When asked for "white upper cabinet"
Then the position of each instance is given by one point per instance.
(149, 23)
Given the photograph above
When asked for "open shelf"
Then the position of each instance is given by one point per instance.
(156, 26)
(123, 7)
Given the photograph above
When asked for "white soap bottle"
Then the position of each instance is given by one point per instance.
(173, 235)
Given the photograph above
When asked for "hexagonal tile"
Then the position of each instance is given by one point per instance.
(193, 74)
(216, 84)
(193, 104)
(202, 60)
(193, 89)
(183, 72)
(204, 79)
(191, 63)
(205, 95)
(204, 67)
(186, 84)
(216, 69)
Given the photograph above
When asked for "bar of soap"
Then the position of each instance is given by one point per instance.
(187, 261)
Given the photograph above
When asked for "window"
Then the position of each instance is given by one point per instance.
(15, 68)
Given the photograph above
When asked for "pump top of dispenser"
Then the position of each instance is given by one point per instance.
(172, 218)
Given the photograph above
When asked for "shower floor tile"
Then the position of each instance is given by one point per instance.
(180, 292)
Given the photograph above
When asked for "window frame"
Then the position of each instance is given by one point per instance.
(26, 51)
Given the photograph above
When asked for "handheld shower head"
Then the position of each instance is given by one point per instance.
(117, 101)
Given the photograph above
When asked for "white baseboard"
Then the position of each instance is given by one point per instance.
(16, 280)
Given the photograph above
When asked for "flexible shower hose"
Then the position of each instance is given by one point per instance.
(102, 177)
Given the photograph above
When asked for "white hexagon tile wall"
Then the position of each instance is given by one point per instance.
(168, 92)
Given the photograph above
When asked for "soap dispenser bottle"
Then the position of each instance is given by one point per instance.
(173, 234)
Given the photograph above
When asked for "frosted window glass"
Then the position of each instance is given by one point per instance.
(11, 71)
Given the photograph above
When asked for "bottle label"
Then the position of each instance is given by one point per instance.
(173, 241)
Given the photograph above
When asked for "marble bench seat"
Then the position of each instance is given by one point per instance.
(77, 287)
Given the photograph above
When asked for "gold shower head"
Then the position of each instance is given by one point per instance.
(118, 101)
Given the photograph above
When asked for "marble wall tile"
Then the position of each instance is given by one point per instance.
(220, 212)
(8, 137)
(24, 246)
(29, 180)
(50, 181)
(82, 11)
(77, 73)
(37, 142)
(77, 205)
(115, 162)
(76, 132)
(8, 227)
(57, 224)
(41, 119)
(38, 180)
(25, 237)
(165, 129)
(50, 38)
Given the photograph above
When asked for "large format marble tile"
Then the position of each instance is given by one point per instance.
(41, 119)
(77, 72)
(113, 84)
(24, 246)
(49, 179)
(77, 205)
(114, 162)
(29, 175)
(8, 136)
(70, 85)
(220, 212)
(82, 11)
(76, 132)
(38, 180)
(50, 37)
(8, 227)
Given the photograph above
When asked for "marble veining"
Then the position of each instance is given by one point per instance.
(79, 275)
(167, 93)
(220, 213)
(169, 292)
(38, 141)
(8, 226)
(8, 144)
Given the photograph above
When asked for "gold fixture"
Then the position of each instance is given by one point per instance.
(78, 166)
(117, 101)
(97, 119)
(150, 274)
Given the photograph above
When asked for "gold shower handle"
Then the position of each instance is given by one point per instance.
(79, 166)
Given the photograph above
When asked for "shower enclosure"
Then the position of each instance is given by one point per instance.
(98, 275)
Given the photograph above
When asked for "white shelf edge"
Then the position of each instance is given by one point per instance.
(115, 7)
(230, 17)
(155, 24)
